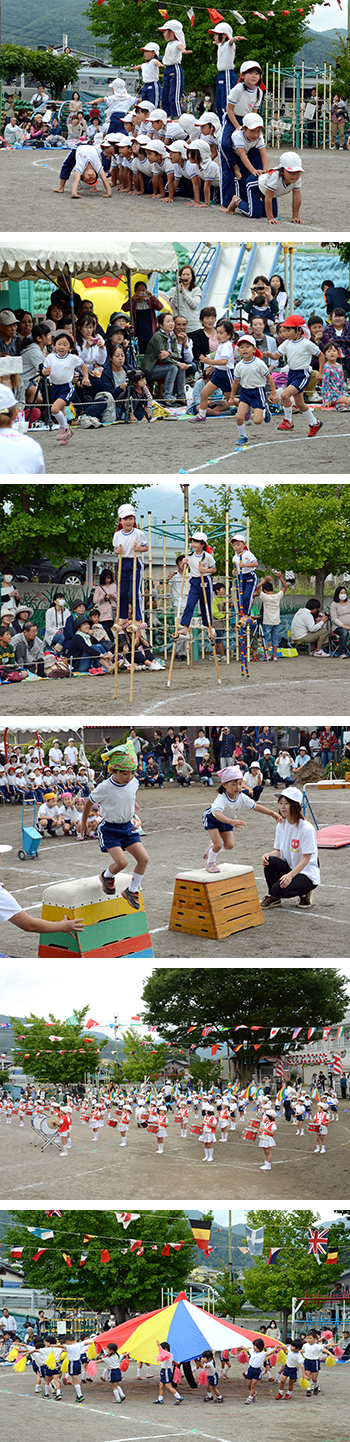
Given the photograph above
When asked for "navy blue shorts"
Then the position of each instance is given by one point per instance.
(291, 1372)
(311, 1364)
(254, 397)
(115, 1375)
(222, 378)
(74, 1368)
(253, 1372)
(114, 835)
(166, 1375)
(299, 379)
(210, 821)
(66, 391)
(213, 1378)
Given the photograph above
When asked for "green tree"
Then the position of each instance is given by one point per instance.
(300, 526)
(57, 521)
(125, 28)
(204, 1071)
(228, 1301)
(128, 1283)
(57, 71)
(65, 1059)
(341, 62)
(176, 1000)
(212, 516)
(295, 1272)
(142, 1057)
(344, 250)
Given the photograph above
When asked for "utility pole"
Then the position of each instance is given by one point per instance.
(230, 1246)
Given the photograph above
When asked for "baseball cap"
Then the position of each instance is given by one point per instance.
(238, 538)
(198, 536)
(255, 766)
(8, 317)
(252, 121)
(290, 161)
(248, 340)
(152, 45)
(179, 147)
(154, 145)
(7, 398)
(174, 25)
(124, 511)
(267, 752)
(158, 114)
(293, 794)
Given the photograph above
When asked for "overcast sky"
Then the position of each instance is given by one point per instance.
(27, 987)
(329, 17)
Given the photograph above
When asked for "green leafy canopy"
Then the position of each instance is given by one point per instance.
(42, 1059)
(295, 1272)
(58, 520)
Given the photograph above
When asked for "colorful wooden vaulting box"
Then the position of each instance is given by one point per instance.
(112, 927)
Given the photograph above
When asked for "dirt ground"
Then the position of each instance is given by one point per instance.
(299, 686)
(178, 447)
(174, 837)
(324, 1418)
(97, 1172)
(32, 205)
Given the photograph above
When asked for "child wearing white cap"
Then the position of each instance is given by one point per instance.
(178, 169)
(244, 98)
(226, 46)
(156, 153)
(19, 455)
(262, 191)
(128, 542)
(204, 172)
(250, 156)
(200, 561)
(251, 375)
(150, 72)
(174, 79)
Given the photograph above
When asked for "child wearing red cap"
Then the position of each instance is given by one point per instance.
(221, 818)
(298, 349)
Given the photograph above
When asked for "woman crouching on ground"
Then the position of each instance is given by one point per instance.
(292, 868)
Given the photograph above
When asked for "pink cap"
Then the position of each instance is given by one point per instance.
(230, 773)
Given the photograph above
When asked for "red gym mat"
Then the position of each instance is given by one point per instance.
(333, 836)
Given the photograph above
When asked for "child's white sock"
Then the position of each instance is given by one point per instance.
(62, 420)
(116, 1394)
(78, 1389)
(109, 873)
(241, 429)
(213, 855)
(288, 411)
(177, 1394)
(135, 883)
(200, 412)
(311, 417)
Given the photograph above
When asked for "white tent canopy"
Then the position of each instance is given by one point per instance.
(98, 255)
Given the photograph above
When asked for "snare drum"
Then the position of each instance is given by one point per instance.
(250, 1134)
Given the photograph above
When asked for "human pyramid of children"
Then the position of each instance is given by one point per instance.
(198, 1114)
(156, 149)
(77, 1362)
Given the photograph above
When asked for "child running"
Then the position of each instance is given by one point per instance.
(289, 1370)
(298, 350)
(128, 542)
(60, 367)
(224, 371)
(222, 816)
(117, 832)
(112, 1372)
(212, 1393)
(257, 1360)
(166, 1376)
(251, 374)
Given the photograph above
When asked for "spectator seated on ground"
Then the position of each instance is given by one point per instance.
(340, 618)
(29, 649)
(183, 772)
(84, 652)
(309, 627)
(153, 776)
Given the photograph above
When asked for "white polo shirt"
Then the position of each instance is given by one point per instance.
(8, 908)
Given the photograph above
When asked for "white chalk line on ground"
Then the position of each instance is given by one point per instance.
(186, 696)
(258, 446)
(141, 1437)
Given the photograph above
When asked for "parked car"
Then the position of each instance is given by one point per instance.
(71, 569)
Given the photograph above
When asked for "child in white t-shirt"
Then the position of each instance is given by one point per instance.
(289, 1369)
(223, 373)
(60, 368)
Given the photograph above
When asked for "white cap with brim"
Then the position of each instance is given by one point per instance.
(189, 122)
(252, 122)
(179, 148)
(255, 766)
(113, 138)
(124, 511)
(198, 536)
(238, 538)
(293, 794)
(155, 145)
(222, 29)
(152, 45)
(201, 145)
(5, 848)
(145, 105)
(176, 27)
(7, 399)
(249, 65)
(289, 160)
(158, 114)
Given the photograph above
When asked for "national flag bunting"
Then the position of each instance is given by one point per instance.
(39, 1253)
(53, 1214)
(126, 1217)
(318, 1242)
(67, 1259)
(255, 1240)
(16, 1253)
(40, 1232)
(201, 1235)
(83, 1259)
(331, 1259)
(272, 1258)
(105, 1257)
